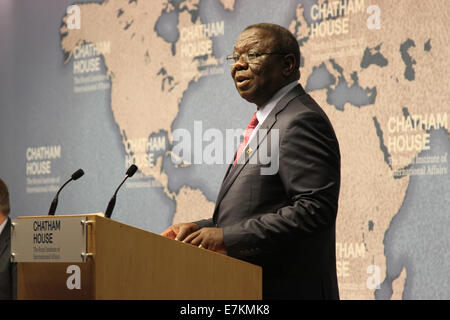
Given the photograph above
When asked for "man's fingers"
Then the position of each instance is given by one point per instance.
(166, 232)
(184, 233)
(182, 230)
(192, 236)
(170, 232)
(198, 241)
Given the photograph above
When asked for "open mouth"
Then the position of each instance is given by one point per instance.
(242, 81)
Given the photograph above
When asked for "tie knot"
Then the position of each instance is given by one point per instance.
(253, 121)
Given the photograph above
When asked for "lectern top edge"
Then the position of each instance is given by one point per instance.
(99, 214)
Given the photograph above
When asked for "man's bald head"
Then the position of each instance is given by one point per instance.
(284, 41)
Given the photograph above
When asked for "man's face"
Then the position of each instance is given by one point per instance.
(3, 216)
(257, 82)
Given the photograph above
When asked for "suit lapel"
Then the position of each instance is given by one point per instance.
(4, 237)
(263, 130)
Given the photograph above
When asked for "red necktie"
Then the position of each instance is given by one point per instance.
(248, 132)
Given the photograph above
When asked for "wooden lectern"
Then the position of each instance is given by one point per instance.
(124, 262)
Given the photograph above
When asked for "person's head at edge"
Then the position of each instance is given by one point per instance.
(259, 80)
(4, 202)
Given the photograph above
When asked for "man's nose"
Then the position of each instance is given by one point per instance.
(241, 64)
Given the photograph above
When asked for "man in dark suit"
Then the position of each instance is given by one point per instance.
(283, 221)
(8, 270)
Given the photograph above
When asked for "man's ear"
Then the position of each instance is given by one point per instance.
(289, 64)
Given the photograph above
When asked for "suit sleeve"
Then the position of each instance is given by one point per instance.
(309, 169)
(205, 223)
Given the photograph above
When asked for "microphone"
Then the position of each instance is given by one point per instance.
(75, 176)
(130, 172)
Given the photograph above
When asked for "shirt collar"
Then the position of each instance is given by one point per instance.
(263, 112)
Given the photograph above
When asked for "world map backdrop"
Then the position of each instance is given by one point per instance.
(103, 85)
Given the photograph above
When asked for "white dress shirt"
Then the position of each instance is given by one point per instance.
(264, 111)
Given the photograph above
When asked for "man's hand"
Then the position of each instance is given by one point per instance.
(180, 231)
(207, 238)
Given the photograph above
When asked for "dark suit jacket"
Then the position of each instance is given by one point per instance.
(8, 270)
(285, 222)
